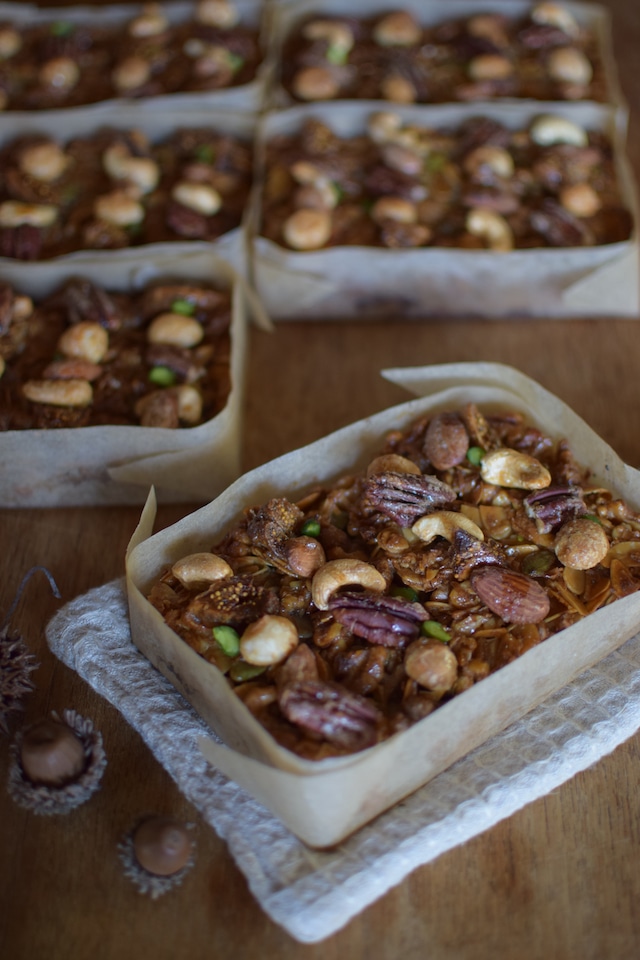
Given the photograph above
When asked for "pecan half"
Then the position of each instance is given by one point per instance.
(403, 497)
(388, 621)
(84, 301)
(327, 709)
(552, 507)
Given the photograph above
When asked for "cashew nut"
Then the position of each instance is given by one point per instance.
(569, 65)
(307, 229)
(84, 341)
(397, 29)
(317, 196)
(197, 196)
(495, 158)
(268, 641)
(61, 73)
(343, 573)
(549, 129)
(489, 26)
(512, 468)
(149, 23)
(14, 213)
(392, 463)
(175, 329)
(201, 568)
(189, 404)
(383, 126)
(580, 199)
(316, 83)
(445, 523)
(130, 73)
(490, 227)
(490, 66)
(10, 42)
(118, 208)
(398, 89)
(44, 161)
(59, 393)
(217, 13)
(22, 308)
(555, 15)
(120, 164)
(338, 35)
(394, 208)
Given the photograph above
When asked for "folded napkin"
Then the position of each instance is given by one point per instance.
(311, 893)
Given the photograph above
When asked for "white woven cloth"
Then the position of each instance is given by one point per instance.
(313, 894)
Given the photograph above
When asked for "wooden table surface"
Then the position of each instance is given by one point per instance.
(559, 879)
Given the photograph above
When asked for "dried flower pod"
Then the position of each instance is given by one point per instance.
(157, 854)
(54, 771)
(16, 666)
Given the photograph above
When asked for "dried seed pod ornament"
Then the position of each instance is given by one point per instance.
(57, 764)
(157, 854)
(17, 663)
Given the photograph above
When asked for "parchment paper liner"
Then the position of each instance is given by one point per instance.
(62, 126)
(117, 464)
(591, 16)
(357, 282)
(324, 802)
(247, 98)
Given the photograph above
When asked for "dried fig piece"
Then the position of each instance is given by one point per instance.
(446, 441)
(335, 714)
(403, 497)
(511, 595)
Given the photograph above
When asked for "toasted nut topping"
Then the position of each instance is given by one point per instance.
(130, 73)
(489, 26)
(85, 341)
(402, 158)
(197, 196)
(338, 35)
(44, 161)
(511, 468)
(143, 172)
(304, 555)
(511, 595)
(392, 463)
(398, 89)
(305, 172)
(343, 573)
(10, 42)
(383, 126)
(569, 65)
(119, 208)
(316, 83)
(445, 523)
(581, 544)
(59, 393)
(490, 66)
(268, 640)
(3, 365)
(217, 13)
(495, 158)
(491, 227)
(318, 196)
(549, 129)
(72, 369)
(62, 73)
(307, 229)
(22, 308)
(580, 199)
(555, 15)
(14, 213)
(446, 441)
(175, 329)
(432, 665)
(394, 208)
(158, 409)
(149, 23)
(201, 568)
(397, 29)
(189, 404)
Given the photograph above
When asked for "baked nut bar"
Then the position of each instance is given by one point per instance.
(544, 54)
(351, 614)
(474, 185)
(84, 356)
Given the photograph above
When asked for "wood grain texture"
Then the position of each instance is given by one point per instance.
(558, 880)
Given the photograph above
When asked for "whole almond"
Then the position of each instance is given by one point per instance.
(446, 441)
(513, 596)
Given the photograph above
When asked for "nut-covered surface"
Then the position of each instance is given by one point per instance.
(543, 54)
(475, 185)
(61, 62)
(84, 356)
(116, 188)
(400, 619)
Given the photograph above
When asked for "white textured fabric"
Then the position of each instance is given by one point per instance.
(309, 893)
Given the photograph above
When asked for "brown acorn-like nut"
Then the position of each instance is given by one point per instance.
(511, 595)
(162, 846)
(432, 665)
(51, 753)
(446, 441)
(304, 555)
(581, 544)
